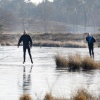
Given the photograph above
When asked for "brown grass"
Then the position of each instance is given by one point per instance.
(25, 97)
(83, 95)
(89, 64)
(49, 96)
(51, 39)
(76, 62)
(61, 61)
(75, 44)
(59, 43)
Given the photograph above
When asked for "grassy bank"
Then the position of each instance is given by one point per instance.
(50, 40)
(76, 62)
(49, 43)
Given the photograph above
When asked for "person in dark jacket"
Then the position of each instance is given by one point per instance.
(27, 44)
(90, 40)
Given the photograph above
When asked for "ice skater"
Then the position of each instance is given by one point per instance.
(27, 44)
(90, 40)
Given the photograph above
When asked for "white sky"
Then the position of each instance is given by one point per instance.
(38, 1)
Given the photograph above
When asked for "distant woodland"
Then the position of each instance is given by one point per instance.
(57, 16)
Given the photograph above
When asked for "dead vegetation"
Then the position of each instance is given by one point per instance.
(76, 62)
(26, 97)
(81, 94)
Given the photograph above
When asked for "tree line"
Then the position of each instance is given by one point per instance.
(56, 16)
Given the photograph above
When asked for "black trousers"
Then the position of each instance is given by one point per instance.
(24, 53)
(91, 52)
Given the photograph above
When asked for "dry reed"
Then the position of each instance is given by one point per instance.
(83, 95)
(89, 64)
(25, 97)
(48, 96)
(73, 44)
(76, 62)
(61, 61)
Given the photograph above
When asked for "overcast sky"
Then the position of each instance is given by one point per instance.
(37, 1)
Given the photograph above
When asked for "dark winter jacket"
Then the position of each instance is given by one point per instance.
(90, 40)
(26, 39)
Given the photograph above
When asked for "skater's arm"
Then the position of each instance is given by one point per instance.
(94, 39)
(86, 39)
(20, 40)
(30, 41)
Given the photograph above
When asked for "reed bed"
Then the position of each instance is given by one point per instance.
(76, 62)
(49, 96)
(26, 97)
(83, 95)
(89, 64)
(50, 43)
(61, 61)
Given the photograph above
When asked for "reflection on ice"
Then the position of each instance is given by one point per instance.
(26, 81)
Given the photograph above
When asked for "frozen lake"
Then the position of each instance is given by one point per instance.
(42, 77)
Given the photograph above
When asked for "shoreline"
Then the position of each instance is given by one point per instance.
(68, 44)
(50, 40)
